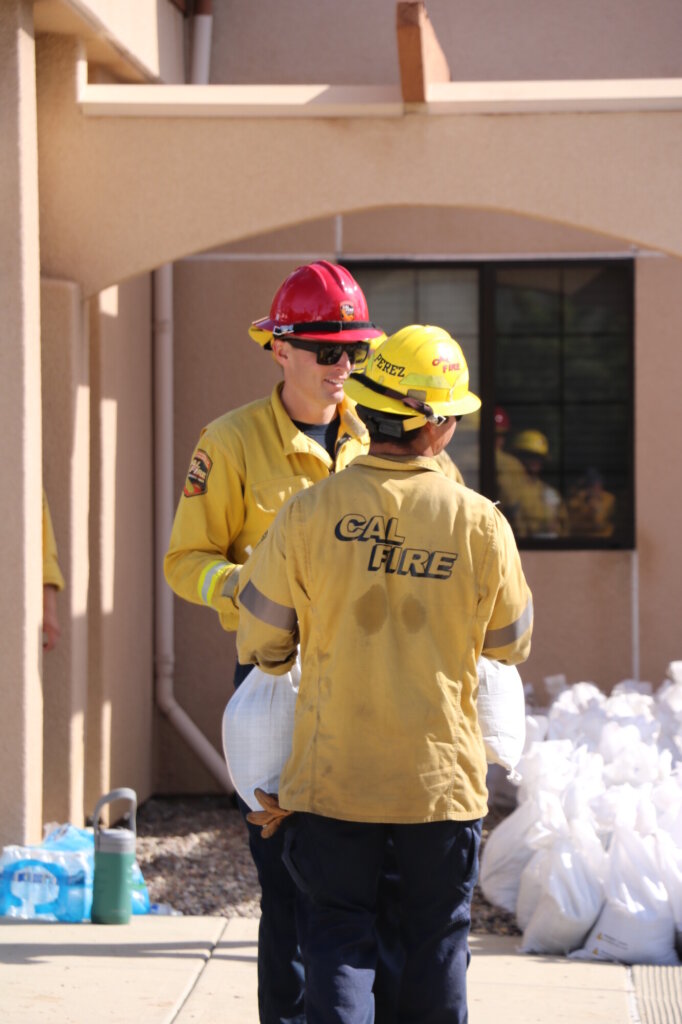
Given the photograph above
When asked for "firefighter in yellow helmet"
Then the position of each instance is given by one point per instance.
(443, 458)
(394, 580)
(540, 511)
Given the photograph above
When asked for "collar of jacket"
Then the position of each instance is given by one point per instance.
(399, 463)
(293, 440)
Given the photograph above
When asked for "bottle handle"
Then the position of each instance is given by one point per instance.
(116, 794)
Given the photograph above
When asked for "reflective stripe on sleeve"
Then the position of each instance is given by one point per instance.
(209, 578)
(267, 611)
(230, 585)
(501, 637)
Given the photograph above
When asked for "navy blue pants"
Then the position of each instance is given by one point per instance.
(337, 866)
(280, 967)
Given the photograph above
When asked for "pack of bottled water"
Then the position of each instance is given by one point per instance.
(43, 884)
(53, 881)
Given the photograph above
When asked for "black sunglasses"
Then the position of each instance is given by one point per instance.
(329, 352)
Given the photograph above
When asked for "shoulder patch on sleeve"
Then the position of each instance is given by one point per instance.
(197, 475)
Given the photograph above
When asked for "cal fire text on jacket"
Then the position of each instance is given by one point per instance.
(388, 551)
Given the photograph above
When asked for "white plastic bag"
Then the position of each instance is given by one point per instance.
(635, 925)
(505, 855)
(501, 712)
(561, 892)
(258, 725)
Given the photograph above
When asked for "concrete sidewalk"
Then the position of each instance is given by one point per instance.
(202, 970)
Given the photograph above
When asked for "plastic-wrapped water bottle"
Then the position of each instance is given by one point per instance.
(48, 885)
(164, 910)
(32, 884)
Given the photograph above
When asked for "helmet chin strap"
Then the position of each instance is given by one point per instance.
(423, 409)
(415, 422)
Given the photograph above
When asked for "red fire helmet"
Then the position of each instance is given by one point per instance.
(502, 423)
(320, 301)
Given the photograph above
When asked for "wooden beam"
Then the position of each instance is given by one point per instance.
(420, 56)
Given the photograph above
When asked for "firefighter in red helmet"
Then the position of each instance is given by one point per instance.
(510, 473)
(244, 467)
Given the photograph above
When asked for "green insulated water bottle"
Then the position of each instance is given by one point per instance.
(114, 860)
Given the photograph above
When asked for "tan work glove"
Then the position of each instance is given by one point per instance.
(271, 817)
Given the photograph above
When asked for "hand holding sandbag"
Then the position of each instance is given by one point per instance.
(271, 817)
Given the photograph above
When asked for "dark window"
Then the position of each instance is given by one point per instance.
(549, 347)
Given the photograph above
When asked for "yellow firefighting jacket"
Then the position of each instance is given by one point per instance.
(540, 510)
(447, 466)
(246, 464)
(52, 574)
(510, 477)
(591, 513)
(394, 579)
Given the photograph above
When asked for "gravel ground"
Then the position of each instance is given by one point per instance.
(194, 856)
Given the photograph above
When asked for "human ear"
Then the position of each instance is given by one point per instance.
(280, 351)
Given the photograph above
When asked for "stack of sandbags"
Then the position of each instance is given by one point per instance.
(591, 859)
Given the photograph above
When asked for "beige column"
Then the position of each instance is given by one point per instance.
(21, 745)
(66, 455)
(120, 597)
(658, 359)
(102, 442)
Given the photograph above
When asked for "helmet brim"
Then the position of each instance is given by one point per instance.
(262, 331)
(362, 395)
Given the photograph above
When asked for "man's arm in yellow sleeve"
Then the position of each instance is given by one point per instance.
(210, 514)
(509, 629)
(268, 626)
(52, 574)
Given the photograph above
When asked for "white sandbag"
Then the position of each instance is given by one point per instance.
(623, 937)
(617, 807)
(628, 758)
(578, 714)
(536, 729)
(635, 925)
(669, 859)
(258, 725)
(559, 901)
(666, 797)
(668, 711)
(510, 846)
(501, 712)
(530, 888)
(674, 672)
(546, 767)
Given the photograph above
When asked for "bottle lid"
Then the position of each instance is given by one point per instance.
(114, 840)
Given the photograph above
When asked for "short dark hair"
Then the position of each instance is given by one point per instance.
(385, 426)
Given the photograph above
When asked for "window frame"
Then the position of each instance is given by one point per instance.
(487, 272)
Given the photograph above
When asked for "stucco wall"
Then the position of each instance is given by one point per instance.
(142, 40)
(66, 476)
(121, 602)
(658, 357)
(200, 181)
(20, 435)
(317, 41)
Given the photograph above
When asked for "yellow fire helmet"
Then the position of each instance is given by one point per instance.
(419, 373)
(533, 442)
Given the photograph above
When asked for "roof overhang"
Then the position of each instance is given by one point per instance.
(325, 101)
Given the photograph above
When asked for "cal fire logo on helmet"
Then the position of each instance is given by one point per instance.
(197, 476)
(347, 310)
